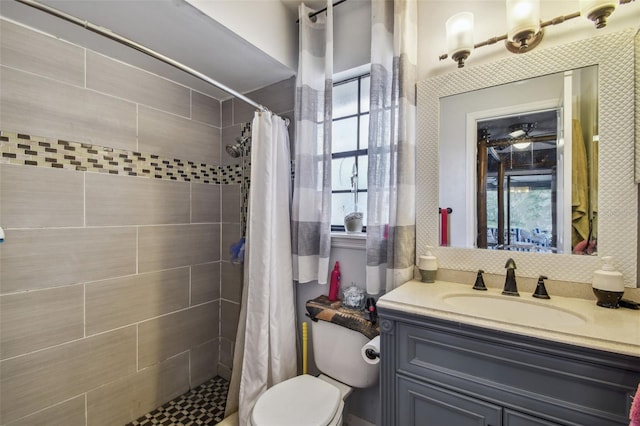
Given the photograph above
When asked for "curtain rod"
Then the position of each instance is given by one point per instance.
(311, 15)
(130, 43)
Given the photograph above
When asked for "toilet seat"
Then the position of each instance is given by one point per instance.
(302, 400)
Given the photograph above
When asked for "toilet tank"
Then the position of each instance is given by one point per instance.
(337, 353)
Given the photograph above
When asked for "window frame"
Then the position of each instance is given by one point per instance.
(359, 151)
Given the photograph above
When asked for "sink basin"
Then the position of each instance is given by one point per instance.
(513, 310)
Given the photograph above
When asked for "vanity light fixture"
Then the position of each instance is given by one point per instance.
(460, 36)
(598, 10)
(524, 27)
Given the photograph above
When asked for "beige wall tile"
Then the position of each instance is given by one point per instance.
(205, 283)
(35, 197)
(226, 352)
(230, 312)
(166, 336)
(204, 362)
(231, 203)
(177, 137)
(205, 203)
(280, 97)
(38, 319)
(231, 281)
(205, 109)
(115, 78)
(127, 300)
(35, 381)
(34, 52)
(227, 113)
(242, 111)
(229, 135)
(41, 258)
(230, 235)
(172, 246)
(128, 200)
(43, 107)
(127, 399)
(71, 412)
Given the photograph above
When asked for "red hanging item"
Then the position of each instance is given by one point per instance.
(444, 227)
(334, 285)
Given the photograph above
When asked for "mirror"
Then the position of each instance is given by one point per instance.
(612, 55)
(525, 155)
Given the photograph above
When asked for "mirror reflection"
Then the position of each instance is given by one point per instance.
(529, 152)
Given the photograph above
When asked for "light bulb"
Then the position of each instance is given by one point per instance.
(523, 20)
(460, 36)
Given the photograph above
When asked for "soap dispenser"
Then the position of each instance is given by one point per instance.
(608, 284)
(428, 266)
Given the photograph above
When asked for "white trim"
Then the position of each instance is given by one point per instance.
(348, 241)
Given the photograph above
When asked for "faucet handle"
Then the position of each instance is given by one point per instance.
(541, 290)
(511, 264)
(479, 285)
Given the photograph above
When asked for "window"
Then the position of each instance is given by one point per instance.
(350, 134)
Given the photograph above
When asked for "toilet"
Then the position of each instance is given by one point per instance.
(319, 401)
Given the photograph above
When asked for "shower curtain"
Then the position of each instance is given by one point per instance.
(265, 350)
(391, 175)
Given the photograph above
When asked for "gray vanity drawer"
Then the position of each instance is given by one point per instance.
(427, 405)
(558, 381)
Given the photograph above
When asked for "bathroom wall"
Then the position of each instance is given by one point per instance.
(113, 203)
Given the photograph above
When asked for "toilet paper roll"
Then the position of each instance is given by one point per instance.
(373, 346)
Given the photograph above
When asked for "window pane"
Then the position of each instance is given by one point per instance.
(365, 89)
(345, 99)
(345, 135)
(343, 203)
(363, 167)
(364, 131)
(341, 170)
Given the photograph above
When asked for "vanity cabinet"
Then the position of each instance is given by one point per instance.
(439, 372)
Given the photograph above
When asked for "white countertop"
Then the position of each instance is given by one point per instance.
(613, 330)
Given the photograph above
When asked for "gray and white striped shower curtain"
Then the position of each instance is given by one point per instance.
(391, 179)
(311, 210)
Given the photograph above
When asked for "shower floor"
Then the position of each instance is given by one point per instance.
(203, 405)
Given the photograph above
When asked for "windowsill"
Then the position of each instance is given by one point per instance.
(349, 241)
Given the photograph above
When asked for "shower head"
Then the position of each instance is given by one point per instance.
(237, 149)
(234, 150)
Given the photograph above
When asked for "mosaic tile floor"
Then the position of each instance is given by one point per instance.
(203, 405)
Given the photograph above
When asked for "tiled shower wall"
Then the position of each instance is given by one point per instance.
(111, 200)
(116, 288)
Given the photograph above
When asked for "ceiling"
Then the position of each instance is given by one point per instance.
(173, 28)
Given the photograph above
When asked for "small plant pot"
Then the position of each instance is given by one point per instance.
(353, 222)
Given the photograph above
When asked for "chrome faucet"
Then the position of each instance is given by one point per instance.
(510, 285)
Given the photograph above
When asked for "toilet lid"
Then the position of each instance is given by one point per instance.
(302, 400)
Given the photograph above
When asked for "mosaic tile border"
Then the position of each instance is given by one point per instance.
(28, 150)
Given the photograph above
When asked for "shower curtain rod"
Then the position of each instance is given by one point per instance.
(311, 15)
(130, 43)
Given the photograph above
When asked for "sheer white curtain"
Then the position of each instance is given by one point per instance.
(265, 350)
(391, 175)
(311, 224)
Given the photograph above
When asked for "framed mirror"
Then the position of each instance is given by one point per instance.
(526, 161)
(612, 55)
